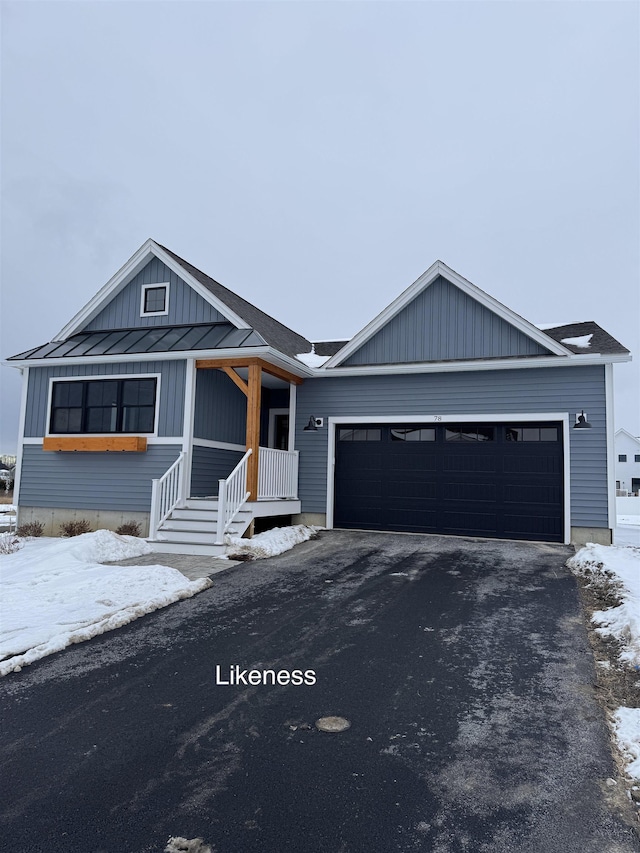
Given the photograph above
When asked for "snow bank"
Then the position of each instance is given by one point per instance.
(55, 592)
(621, 565)
(272, 542)
(626, 722)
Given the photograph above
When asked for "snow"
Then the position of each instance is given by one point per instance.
(311, 359)
(272, 542)
(56, 592)
(620, 565)
(626, 724)
(583, 341)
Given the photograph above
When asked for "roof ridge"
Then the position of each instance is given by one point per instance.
(266, 325)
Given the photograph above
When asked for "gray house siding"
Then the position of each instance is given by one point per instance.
(185, 305)
(210, 464)
(221, 408)
(487, 392)
(444, 323)
(93, 481)
(171, 405)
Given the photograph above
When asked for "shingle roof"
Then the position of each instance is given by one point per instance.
(202, 336)
(276, 334)
(328, 347)
(601, 342)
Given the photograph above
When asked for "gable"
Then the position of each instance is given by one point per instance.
(185, 306)
(444, 323)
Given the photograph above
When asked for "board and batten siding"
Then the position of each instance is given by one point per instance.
(185, 305)
(210, 464)
(172, 383)
(221, 408)
(440, 324)
(100, 481)
(560, 389)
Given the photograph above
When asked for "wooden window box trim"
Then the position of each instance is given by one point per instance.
(97, 443)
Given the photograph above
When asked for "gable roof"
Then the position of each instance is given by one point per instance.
(600, 342)
(435, 271)
(276, 334)
(623, 433)
(239, 312)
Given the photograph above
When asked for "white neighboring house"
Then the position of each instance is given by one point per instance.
(627, 451)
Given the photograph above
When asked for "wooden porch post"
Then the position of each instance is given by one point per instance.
(253, 428)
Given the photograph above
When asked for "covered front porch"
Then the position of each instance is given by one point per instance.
(238, 461)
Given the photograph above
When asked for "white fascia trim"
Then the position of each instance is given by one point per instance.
(98, 377)
(465, 366)
(206, 294)
(21, 439)
(274, 357)
(427, 278)
(444, 417)
(124, 275)
(611, 448)
(218, 445)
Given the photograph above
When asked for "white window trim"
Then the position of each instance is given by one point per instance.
(143, 293)
(94, 377)
(563, 417)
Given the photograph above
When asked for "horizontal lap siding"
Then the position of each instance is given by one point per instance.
(185, 305)
(221, 408)
(170, 414)
(443, 323)
(531, 390)
(209, 465)
(103, 481)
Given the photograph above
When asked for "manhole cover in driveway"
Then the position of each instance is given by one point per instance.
(332, 724)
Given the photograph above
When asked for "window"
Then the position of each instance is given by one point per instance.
(154, 300)
(622, 457)
(103, 406)
(359, 435)
(636, 458)
(469, 433)
(413, 434)
(532, 433)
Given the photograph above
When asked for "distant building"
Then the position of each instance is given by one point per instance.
(627, 450)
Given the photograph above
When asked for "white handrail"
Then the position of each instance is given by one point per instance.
(232, 495)
(277, 473)
(166, 493)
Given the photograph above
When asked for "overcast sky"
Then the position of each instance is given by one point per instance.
(317, 157)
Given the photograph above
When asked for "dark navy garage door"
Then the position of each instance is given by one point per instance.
(496, 480)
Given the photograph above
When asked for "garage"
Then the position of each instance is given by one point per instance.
(499, 480)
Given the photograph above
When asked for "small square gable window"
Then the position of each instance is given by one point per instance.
(154, 300)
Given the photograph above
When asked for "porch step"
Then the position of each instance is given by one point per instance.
(189, 548)
(203, 517)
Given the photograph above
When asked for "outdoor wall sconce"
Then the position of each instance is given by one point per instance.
(314, 423)
(582, 422)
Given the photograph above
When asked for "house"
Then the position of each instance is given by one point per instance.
(627, 465)
(172, 401)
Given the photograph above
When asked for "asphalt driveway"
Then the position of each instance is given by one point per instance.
(462, 666)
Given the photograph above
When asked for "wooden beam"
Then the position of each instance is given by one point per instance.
(233, 376)
(96, 443)
(245, 361)
(253, 428)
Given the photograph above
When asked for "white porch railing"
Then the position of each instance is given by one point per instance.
(232, 495)
(277, 473)
(166, 493)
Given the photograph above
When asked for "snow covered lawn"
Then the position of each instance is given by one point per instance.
(55, 592)
(619, 566)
